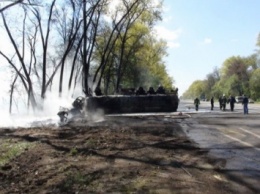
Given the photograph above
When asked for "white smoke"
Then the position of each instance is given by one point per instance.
(27, 118)
(46, 114)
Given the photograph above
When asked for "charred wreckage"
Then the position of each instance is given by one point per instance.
(129, 101)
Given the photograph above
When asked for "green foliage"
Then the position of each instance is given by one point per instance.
(210, 82)
(99, 44)
(197, 89)
(154, 70)
(137, 56)
(73, 151)
(10, 149)
(236, 72)
(254, 84)
(237, 76)
(77, 181)
(233, 85)
(233, 65)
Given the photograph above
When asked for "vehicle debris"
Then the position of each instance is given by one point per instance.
(77, 109)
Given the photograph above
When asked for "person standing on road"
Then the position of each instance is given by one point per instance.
(196, 103)
(224, 101)
(232, 102)
(220, 102)
(245, 104)
(212, 102)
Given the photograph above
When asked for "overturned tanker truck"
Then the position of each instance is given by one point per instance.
(119, 104)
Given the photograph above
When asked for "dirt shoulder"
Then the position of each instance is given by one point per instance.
(117, 155)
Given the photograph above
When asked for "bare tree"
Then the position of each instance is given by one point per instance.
(12, 92)
(110, 43)
(74, 30)
(45, 41)
(26, 76)
(90, 26)
(29, 66)
(69, 31)
(11, 5)
(116, 46)
(124, 36)
(17, 2)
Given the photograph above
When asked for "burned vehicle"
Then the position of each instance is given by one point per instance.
(77, 109)
(121, 104)
(135, 101)
(141, 102)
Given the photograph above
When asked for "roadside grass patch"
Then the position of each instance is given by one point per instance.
(73, 151)
(77, 181)
(92, 143)
(10, 149)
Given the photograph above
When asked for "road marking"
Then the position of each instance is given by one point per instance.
(247, 131)
(242, 142)
(231, 132)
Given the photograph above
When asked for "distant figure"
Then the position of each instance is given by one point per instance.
(160, 90)
(232, 102)
(98, 91)
(220, 102)
(245, 104)
(151, 91)
(176, 91)
(196, 103)
(212, 102)
(224, 102)
(140, 91)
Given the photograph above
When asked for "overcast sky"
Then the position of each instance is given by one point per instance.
(202, 34)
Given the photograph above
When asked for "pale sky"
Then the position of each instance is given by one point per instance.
(202, 34)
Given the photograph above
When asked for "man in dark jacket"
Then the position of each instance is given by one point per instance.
(232, 102)
(224, 101)
(196, 103)
(245, 104)
(212, 102)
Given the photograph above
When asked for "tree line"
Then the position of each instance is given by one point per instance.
(82, 43)
(237, 76)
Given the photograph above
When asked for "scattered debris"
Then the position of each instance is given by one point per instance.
(77, 109)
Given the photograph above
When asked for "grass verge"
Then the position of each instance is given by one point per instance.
(10, 149)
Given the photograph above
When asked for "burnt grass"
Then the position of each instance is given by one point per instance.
(115, 155)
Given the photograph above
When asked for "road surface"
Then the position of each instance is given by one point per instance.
(231, 137)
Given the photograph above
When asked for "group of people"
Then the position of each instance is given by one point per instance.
(141, 91)
(223, 101)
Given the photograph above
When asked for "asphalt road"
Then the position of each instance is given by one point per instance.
(231, 137)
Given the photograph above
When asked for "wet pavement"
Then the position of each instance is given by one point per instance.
(231, 137)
